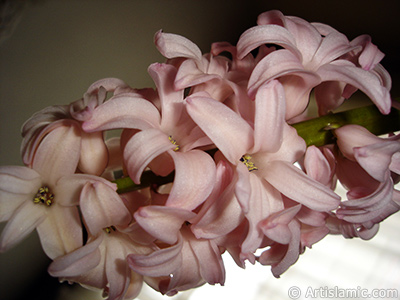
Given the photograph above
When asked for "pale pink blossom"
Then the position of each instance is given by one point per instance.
(201, 72)
(311, 55)
(282, 256)
(182, 260)
(350, 230)
(31, 197)
(100, 263)
(221, 213)
(164, 139)
(189, 263)
(320, 164)
(364, 167)
(367, 56)
(376, 155)
(296, 227)
(163, 222)
(93, 151)
(263, 157)
(224, 79)
(368, 201)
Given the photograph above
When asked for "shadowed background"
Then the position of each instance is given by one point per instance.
(51, 51)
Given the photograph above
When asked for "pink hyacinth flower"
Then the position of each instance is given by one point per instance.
(218, 75)
(100, 263)
(31, 197)
(371, 195)
(189, 263)
(263, 157)
(164, 138)
(376, 155)
(311, 55)
(93, 151)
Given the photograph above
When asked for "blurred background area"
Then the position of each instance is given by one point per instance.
(52, 50)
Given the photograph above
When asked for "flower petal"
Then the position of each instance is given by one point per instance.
(292, 254)
(163, 222)
(221, 213)
(210, 261)
(291, 150)
(329, 96)
(109, 84)
(302, 188)
(61, 231)
(243, 188)
(189, 75)
(69, 187)
(266, 34)
(195, 174)
(317, 165)
(94, 153)
(376, 158)
(298, 86)
(37, 126)
(264, 200)
(123, 111)
(370, 55)
(58, 154)
(172, 45)
(276, 64)
(161, 262)
(311, 217)
(102, 207)
(229, 132)
(24, 220)
(117, 270)
(333, 45)
(351, 136)
(271, 17)
(142, 148)
(366, 208)
(171, 100)
(367, 82)
(78, 261)
(269, 118)
(307, 37)
(312, 235)
(19, 179)
(17, 185)
(351, 175)
(276, 225)
(9, 203)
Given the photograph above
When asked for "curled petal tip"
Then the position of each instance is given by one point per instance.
(173, 46)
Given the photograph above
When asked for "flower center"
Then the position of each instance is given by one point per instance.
(44, 196)
(173, 142)
(109, 229)
(246, 159)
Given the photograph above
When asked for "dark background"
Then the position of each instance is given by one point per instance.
(51, 51)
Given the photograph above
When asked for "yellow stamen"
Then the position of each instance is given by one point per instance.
(44, 196)
(246, 159)
(109, 229)
(174, 143)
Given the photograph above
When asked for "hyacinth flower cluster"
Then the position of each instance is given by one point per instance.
(216, 158)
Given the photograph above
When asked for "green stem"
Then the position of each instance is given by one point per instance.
(316, 132)
(319, 132)
(148, 178)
